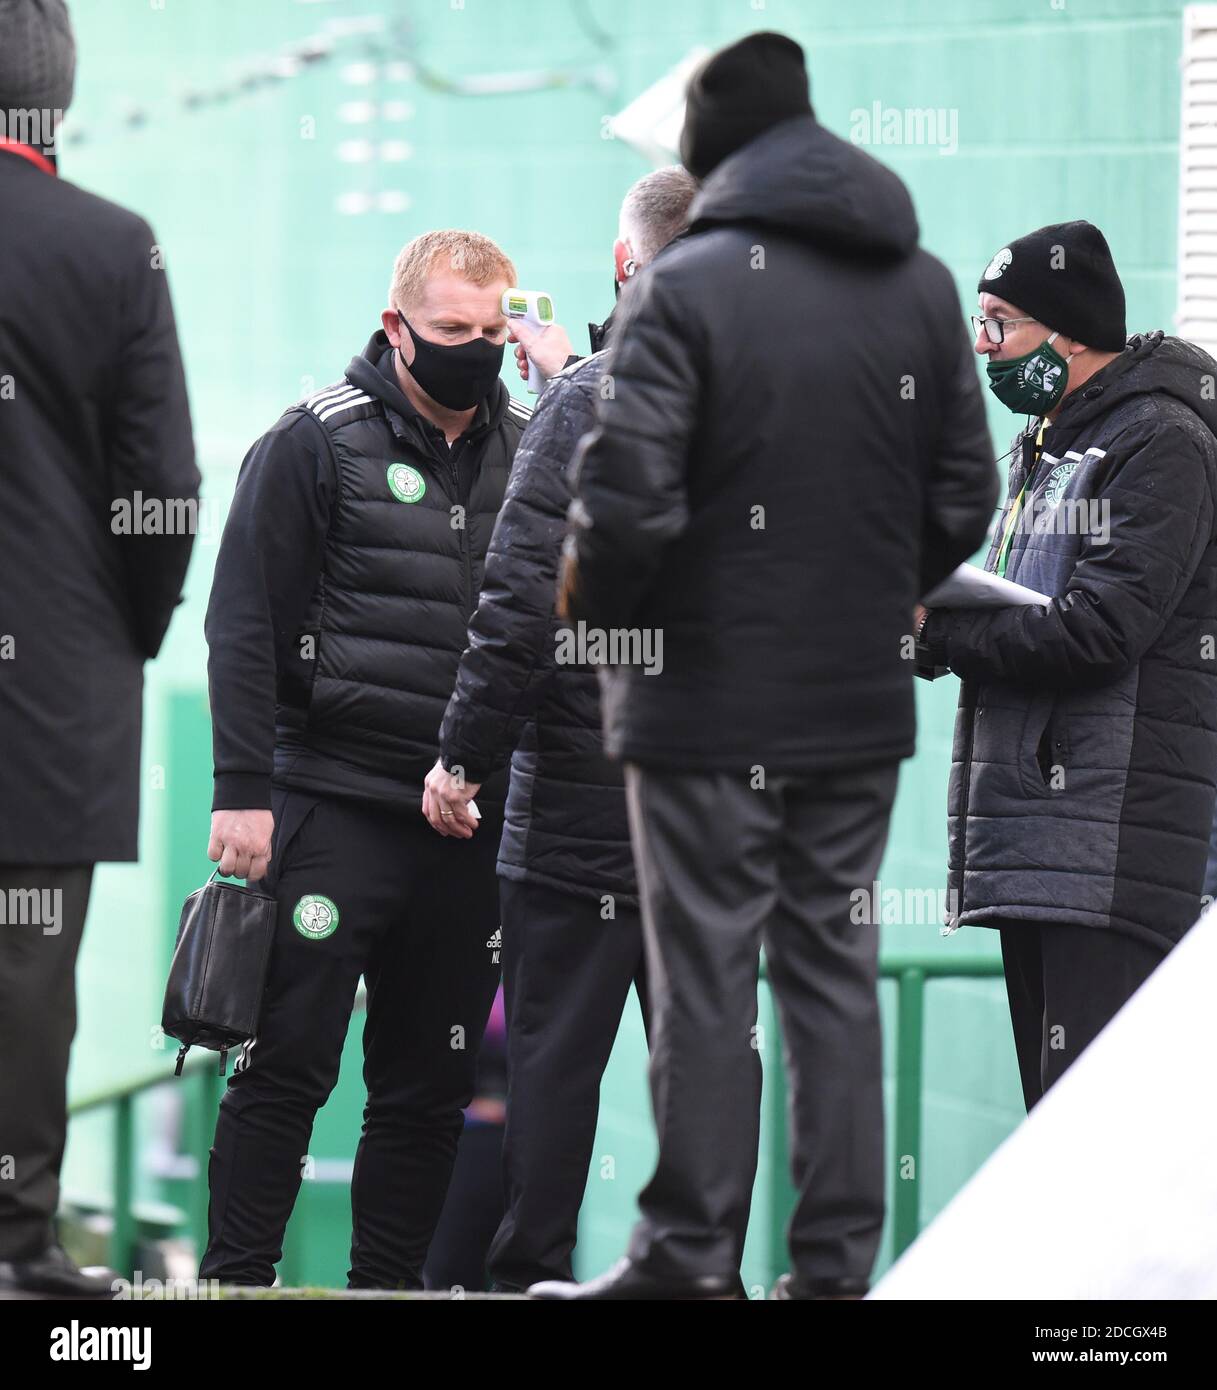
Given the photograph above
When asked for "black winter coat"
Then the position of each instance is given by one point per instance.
(1085, 751)
(98, 511)
(794, 450)
(566, 824)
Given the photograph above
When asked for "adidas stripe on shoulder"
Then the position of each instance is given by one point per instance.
(522, 412)
(335, 399)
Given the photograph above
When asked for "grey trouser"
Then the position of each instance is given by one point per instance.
(724, 869)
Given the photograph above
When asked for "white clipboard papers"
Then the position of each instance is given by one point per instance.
(971, 587)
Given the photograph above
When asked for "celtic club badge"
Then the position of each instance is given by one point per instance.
(405, 483)
(315, 917)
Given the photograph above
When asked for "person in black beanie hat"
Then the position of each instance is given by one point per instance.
(1085, 753)
(94, 429)
(37, 70)
(1063, 279)
(757, 492)
(1063, 274)
(737, 94)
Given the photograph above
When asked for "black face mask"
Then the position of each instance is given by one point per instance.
(457, 377)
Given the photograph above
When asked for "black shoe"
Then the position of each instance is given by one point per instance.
(52, 1272)
(788, 1287)
(627, 1280)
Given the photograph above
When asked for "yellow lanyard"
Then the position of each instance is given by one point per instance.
(1003, 550)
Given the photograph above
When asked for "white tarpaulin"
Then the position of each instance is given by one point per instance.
(1109, 1188)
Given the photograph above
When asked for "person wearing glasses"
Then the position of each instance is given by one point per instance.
(1085, 750)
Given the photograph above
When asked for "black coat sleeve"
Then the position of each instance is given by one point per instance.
(265, 575)
(148, 441)
(631, 472)
(512, 648)
(962, 486)
(1158, 495)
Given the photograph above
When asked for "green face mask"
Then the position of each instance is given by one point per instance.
(1031, 384)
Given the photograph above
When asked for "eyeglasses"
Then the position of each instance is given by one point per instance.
(995, 329)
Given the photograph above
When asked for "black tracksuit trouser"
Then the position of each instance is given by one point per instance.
(1065, 983)
(723, 868)
(361, 891)
(567, 972)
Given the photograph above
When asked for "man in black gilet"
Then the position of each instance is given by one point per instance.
(350, 565)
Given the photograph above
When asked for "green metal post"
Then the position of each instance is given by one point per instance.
(906, 1217)
(122, 1251)
(782, 1193)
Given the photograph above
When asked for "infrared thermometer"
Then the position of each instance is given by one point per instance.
(535, 308)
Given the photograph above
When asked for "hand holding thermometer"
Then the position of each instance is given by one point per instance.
(537, 309)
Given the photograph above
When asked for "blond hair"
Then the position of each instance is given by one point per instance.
(469, 254)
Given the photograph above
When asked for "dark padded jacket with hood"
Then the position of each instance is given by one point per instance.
(1085, 750)
(566, 825)
(794, 450)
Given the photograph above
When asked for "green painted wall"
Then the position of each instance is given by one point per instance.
(1060, 111)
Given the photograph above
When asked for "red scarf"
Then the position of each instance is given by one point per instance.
(40, 161)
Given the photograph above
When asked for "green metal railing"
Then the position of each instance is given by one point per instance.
(203, 1070)
(910, 971)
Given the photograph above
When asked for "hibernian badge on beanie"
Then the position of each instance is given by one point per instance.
(737, 94)
(1064, 276)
